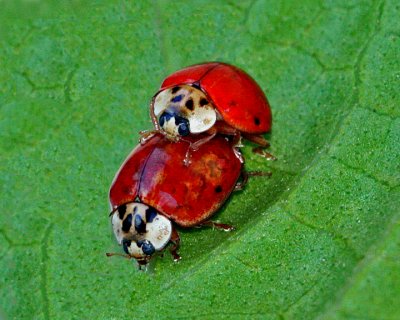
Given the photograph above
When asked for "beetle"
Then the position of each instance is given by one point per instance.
(154, 190)
(212, 97)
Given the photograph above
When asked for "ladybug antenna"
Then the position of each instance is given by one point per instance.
(110, 254)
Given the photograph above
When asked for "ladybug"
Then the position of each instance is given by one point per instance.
(154, 190)
(211, 97)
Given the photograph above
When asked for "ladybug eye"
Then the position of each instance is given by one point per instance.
(183, 129)
(183, 126)
(147, 247)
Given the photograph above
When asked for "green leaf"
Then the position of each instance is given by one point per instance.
(320, 239)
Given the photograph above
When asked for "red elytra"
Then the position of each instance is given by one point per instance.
(155, 173)
(237, 97)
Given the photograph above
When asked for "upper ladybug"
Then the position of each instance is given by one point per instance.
(211, 97)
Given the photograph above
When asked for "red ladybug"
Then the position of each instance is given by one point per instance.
(153, 187)
(211, 97)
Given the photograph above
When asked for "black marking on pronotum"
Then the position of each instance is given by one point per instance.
(218, 189)
(140, 225)
(257, 121)
(121, 211)
(150, 214)
(203, 102)
(127, 223)
(125, 245)
(189, 104)
(177, 98)
(147, 247)
(175, 90)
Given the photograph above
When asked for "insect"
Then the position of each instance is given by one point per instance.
(153, 191)
(210, 98)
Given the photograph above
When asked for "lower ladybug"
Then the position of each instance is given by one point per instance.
(212, 97)
(154, 190)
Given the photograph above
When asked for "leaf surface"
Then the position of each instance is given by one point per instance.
(320, 239)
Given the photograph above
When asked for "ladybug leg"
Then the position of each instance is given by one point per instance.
(216, 225)
(263, 153)
(245, 177)
(146, 135)
(236, 143)
(225, 129)
(257, 139)
(153, 116)
(175, 240)
(259, 173)
(194, 146)
(242, 183)
(262, 145)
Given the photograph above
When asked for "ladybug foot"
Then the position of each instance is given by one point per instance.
(145, 135)
(216, 225)
(261, 151)
(244, 177)
(175, 255)
(262, 145)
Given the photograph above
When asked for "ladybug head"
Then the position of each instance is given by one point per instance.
(141, 231)
(182, 110)
(174, 124)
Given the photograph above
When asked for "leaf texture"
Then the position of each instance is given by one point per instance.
(320, 239)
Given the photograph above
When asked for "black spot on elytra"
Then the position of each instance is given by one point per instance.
(125, 245)
(232, 103)
(175, 90)
(189, 104)
(257, 121)
(218, 189)
(203, 101)
(127, 223)
(140, 225)
(150, 214)
(147, 247)
(121, 211)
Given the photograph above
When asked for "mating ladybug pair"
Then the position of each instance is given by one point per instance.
(184, 170)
